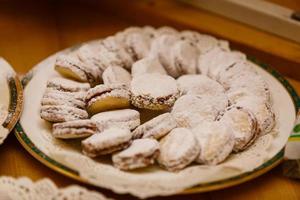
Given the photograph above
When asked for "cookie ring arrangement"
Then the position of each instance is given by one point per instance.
(206, 107)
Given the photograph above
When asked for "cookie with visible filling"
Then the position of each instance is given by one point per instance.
(154, 91)
(74, 129)
(156, 127)
(107, 97)
(66, 85)
(62, 113)
(127, 118)
(141, 153)
(106, 142)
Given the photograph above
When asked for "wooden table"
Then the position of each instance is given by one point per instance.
(32, 30)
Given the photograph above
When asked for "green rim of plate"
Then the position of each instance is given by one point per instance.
(29, 146)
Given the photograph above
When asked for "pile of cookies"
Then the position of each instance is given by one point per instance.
(210, 101)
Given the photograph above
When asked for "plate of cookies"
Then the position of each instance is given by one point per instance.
(10, 99)
(156, 112)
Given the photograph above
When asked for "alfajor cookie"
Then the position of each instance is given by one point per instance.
(62, 113)
(216, 141)
(178, 149)
(183, 58)
(190, 110)
(166, 30)
(116, 75)
(74, 129)
(148, 65)
(154, 91)
(199, 84)
(107, 97)
(137, 45)
(243, 125)
(161, 48)
(212, 62)
(156, 127)
(106, 142)
(141, 153)
(67, 85)
(55, 97)
(71, 67)
(123, 118)
(262, 111)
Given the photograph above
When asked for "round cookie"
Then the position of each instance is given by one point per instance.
(107, 97)
(190, 110)
(146, 65)
(138, 45)
(154, 91)
(166, 30)
(106, 142)
(116, 75)
(55, 97)
(62, 113)
(178, 149)
(215, 140)
(212, 62)
(127, 118)
(161, 48)
(199, 84)
(262, 111)
(67, 85)
(243, 125)
(141, 153)
(71, 67)
(156, 127)
(74, 129)
(183, 57)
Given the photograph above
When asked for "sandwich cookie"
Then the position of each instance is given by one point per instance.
(106, 142)
(216, 141)
(154, 91)
(141, 153)
(183, 57)
(74, 129)
(71, 67)
(116, 75)
(67, 85)
(156, 127)
(262, 111)
(190, 110)
(161, 48)
(166, 30)
(199, 85)
(212, 62)
(124, 118)
(107, 97)
(53, 97)
(62, 113)
(147, 65)
(243, 125)
(137, 45)
(178, 149)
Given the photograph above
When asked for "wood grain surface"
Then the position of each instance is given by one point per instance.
(32, 30)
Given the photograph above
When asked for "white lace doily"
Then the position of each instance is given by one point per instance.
(151, 181)
(3, 131)
(44, 189)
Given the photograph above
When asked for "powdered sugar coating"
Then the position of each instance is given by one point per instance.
(127, 118)
(154, 91)
(67, 85)
(106, 142)
(178, 149)
(148, 64)
(243, 125)
(116, 75)
(156, 127)
(74, 129)
(190, 110)
(138, 45)
(141, 153)
(216, 141)
(62, 113)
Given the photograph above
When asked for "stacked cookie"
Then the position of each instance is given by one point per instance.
(209, 100)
